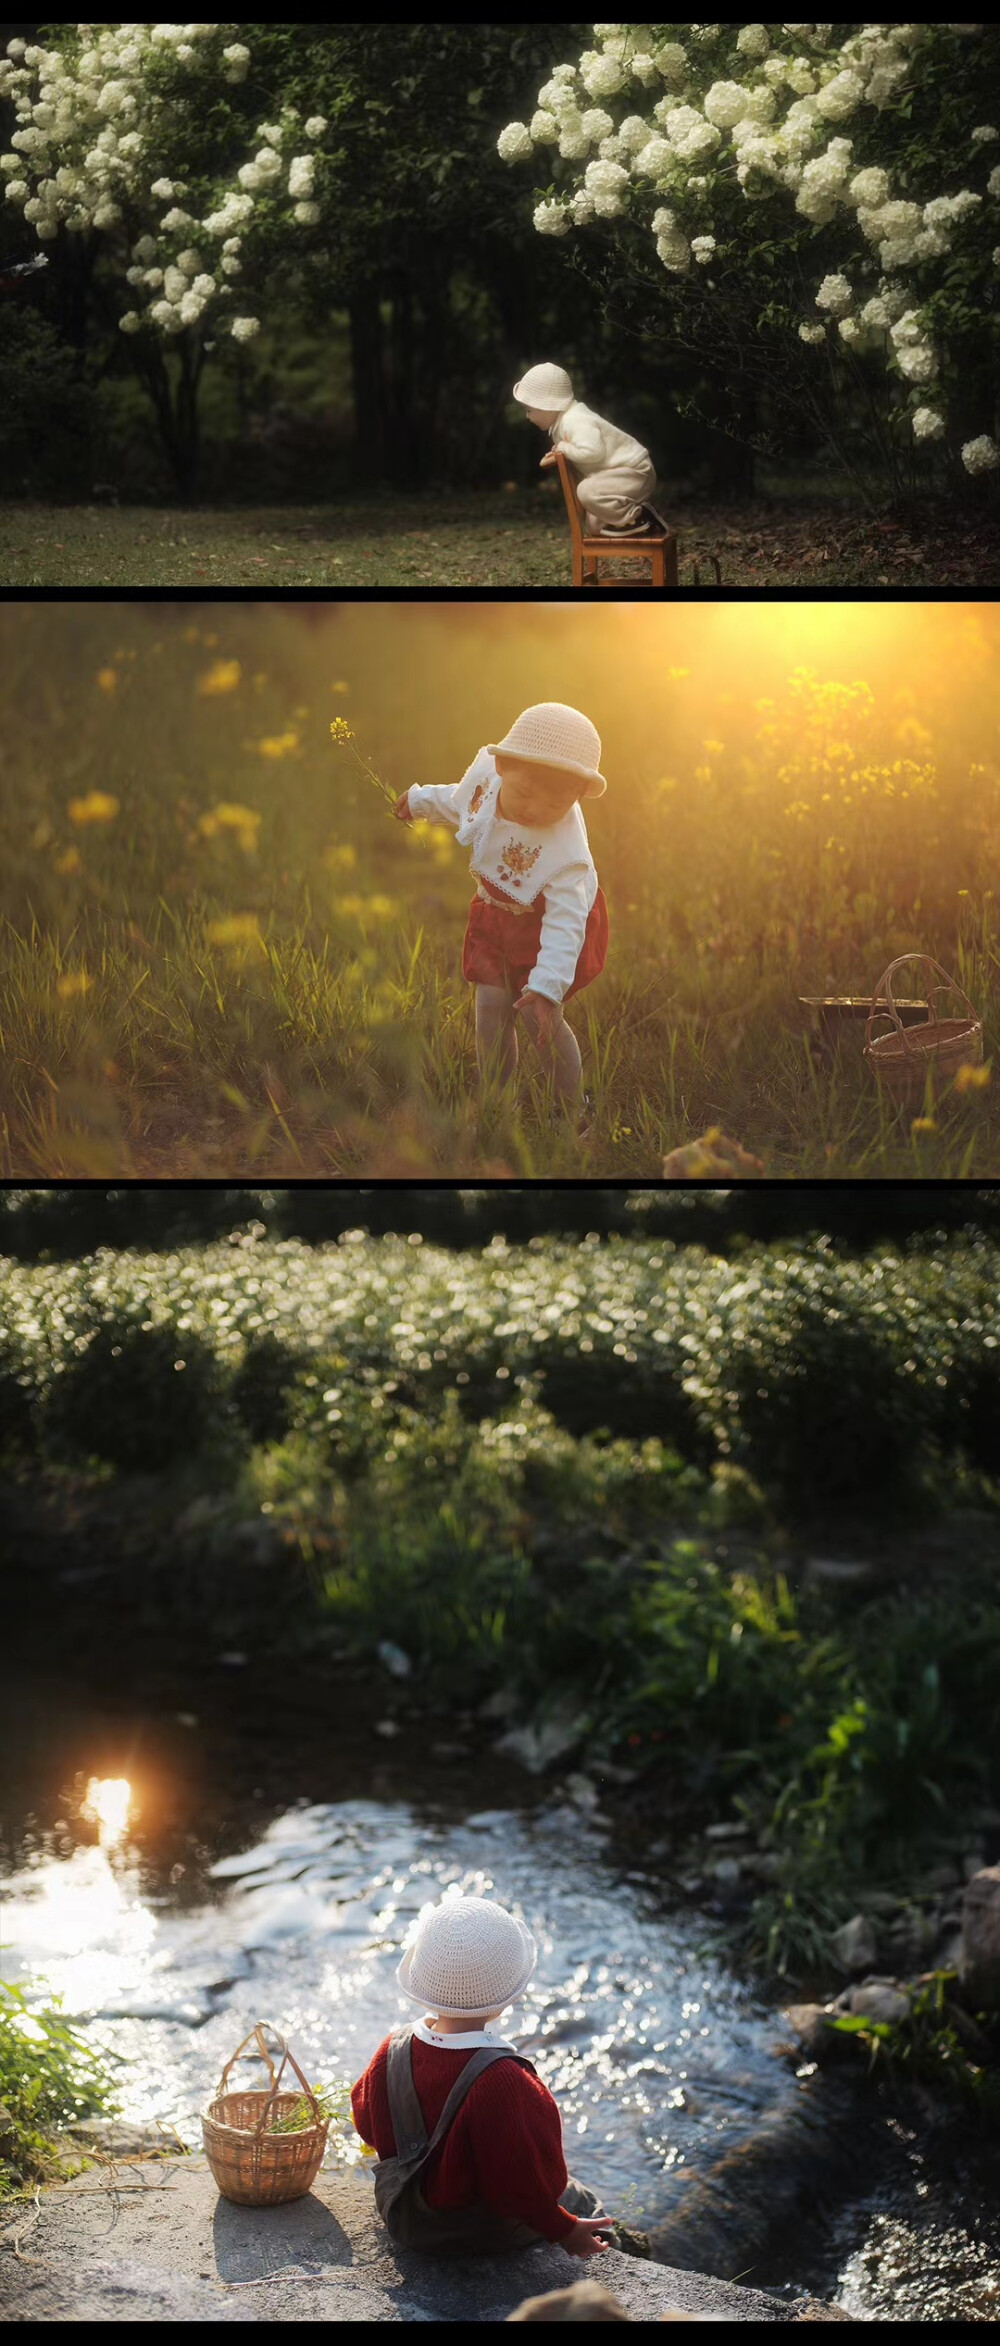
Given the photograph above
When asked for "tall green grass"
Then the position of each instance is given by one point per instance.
(218, 954)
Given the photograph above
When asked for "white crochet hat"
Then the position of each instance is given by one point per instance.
(550, 734)
(547, 387)
(467, 1958)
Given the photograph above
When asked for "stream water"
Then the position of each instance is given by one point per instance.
(217, 1890)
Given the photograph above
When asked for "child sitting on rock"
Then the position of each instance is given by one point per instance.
(469, 2140)
(615, 475)
(538, 923)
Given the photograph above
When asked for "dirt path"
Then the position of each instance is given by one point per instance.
(154, 2242)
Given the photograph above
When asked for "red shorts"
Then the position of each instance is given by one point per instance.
(501, 947)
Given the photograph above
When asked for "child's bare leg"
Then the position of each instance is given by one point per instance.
(559, 1053)
(496, 1035)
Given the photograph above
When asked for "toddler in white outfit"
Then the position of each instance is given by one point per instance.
(538, 923)
(615, 475)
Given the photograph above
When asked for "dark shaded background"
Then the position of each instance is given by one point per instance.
(66, 1222)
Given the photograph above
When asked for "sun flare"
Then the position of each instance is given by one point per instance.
(107, 1805)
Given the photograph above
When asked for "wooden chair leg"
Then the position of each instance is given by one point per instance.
(659, 567)
(577, 567)
(670, 562)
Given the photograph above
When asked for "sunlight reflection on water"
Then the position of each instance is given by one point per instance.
(654, 2049)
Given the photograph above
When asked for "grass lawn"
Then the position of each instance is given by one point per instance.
(515, 539)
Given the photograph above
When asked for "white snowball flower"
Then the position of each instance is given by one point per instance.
(145, 249)
(229, 265)
(236, 60)
(671, 63)
(174, 283)
(835, 295)
(654, 160)
(725, 103)
(244, 329)
(550, 218)
(841, 96)
(153, 277)
(316, 125)
(163, 188)
(812, 333)
(993, 182)
(869, 187)
(135, 275)
(642, 68)
(204, 286)
(981, 455)
(918, 362)
(602, 76)
(176, 219)
(581, 208)
(606, 184)
(107, 215)
(927, 424)
(308, 215)
(754, 40)
(514, 143)
(543, 129)
(16, 191)
(984, 135)
(596, 124)
(850, 330)
(703, 247)
(190, 262)
(943, 209)
(270, 134)
(190, 309)
(301, 173)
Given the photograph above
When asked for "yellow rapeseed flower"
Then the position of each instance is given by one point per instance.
(714, 749)
(972, 1079)
(340, 687)
(97, 807)
(223, 676)
(923, 1124)
(236, 928)
(277, 745)
(229, 817)
(108, 679)
(340, 730)
(342, 859)
(71, 862)
(381, 907)
(75, 982)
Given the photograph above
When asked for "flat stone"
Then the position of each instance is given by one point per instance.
(980, 1964)
(122, 2138)
(176, 2251)
(878, 1999)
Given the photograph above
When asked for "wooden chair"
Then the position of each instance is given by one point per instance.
(657, 546)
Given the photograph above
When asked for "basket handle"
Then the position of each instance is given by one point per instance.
(883, 1005)
(257, 2036)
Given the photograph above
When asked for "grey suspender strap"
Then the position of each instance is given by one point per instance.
(406, 2116)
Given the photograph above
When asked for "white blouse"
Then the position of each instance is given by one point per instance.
(521, 864)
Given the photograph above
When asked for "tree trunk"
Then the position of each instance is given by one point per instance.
(404, 448)
(368, 384)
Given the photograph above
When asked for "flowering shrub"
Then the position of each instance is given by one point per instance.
(103, 149)
(710, 137)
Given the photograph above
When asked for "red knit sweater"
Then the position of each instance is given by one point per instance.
(505, 2146)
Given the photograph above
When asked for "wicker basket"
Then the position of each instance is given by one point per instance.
(250, 2164)
(904, 1057)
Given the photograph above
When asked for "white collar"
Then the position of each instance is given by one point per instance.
(463, 2043)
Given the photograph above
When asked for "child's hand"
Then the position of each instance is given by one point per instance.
(401, 810)
(546, 1014)
(585, 2239)
(549, 459)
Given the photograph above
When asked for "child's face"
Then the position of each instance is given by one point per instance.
(543, 417)
(537, 795)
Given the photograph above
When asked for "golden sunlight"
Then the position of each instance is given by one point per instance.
(107, 1805)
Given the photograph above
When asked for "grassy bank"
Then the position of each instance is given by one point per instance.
(48, 2078)
(581, 1483)
(219, 956)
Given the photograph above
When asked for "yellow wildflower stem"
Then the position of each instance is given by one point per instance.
(342, 734)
